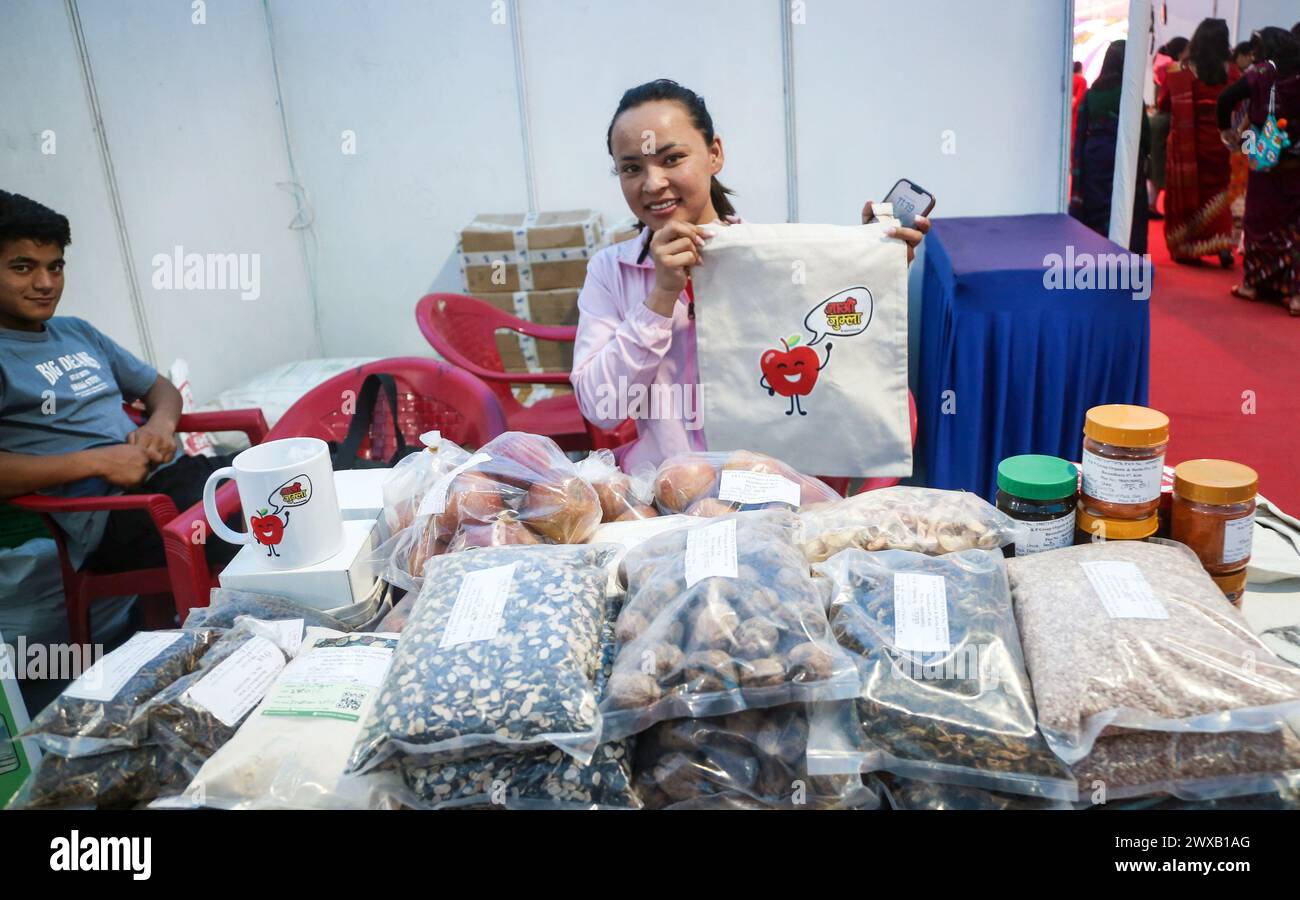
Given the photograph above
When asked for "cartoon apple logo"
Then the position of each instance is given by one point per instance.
(791, 372)
(268, 529)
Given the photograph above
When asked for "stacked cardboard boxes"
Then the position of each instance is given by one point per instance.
(531, 266)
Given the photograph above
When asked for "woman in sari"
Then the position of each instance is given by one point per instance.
(1272, 223)
(1198, 210)
(1093, 167)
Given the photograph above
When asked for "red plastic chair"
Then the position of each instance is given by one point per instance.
(155, 586)
(431, 394)
(463, 330)
(841, 485)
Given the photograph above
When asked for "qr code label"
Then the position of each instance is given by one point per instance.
(351, 700)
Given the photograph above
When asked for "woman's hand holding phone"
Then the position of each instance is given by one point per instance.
(910, 236)
(675, 248)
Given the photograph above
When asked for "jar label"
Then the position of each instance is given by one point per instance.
(1035, 537)
(1238, 534)
(1122, 480)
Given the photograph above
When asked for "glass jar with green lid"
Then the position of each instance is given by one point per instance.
(1039, 492)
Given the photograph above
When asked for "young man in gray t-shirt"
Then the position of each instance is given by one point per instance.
(62, 427)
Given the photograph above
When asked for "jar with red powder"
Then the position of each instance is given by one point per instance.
(1214, 513)
(1123, 460)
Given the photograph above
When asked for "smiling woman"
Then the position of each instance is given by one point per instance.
(636, 325)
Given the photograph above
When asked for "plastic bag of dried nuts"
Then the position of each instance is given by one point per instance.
(915, 793)
(751, 759)
(945, 695)
(197, 714)
(623, 497)
(546, 778)
(1132, 635)
(119, 779)
(96, 713)
(407, 483)
(517, 489)
(715, 484)
(720, 618)
(501, 652)
(226, 605)
(1188, 765)
(923, 520)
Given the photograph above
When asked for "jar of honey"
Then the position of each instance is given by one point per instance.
(1123, 461)
(1214, 512)
(1100, 528)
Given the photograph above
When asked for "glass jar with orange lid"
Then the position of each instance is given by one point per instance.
(1123, 461)
(1214, 512)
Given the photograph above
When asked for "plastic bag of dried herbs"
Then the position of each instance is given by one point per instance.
(923, 520)
(226, 605)
(721, 617)
(753, 759)
(501, 652)
(119, 779)
(944, 694)
(291, 752)
(1189, 765)
(538, 779)
(1131, 635)
(914, 793)
(197, 714)
(96, 713)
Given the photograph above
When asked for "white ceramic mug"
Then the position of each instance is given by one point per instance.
(286, 489)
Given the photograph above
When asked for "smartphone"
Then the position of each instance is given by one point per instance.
(910, 200)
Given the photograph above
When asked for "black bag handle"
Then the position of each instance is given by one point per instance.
(345, 457)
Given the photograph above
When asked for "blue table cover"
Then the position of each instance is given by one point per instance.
(1024, 362)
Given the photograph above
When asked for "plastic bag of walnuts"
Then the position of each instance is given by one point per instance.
(1132, 635)
(501, 652)
(923, 520)
(751, 759)
(720, 618)
(623, 497)
(715, 484)
(945, 695)
(517, 489)
(96, 713)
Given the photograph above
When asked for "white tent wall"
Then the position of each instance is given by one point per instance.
(48, 151)
(1256, 14)
(437, 95)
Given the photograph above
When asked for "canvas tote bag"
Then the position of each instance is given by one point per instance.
(801, 332)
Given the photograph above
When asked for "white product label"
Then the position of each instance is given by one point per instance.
(105, 678)
(238, 682)
(1122, 480)
(435, 502)
(1035, 537)
(479, 604)
(333, 678)
(921, 613)
(1238, 535)
(710, 552)
(1124, 591)
(740, 486)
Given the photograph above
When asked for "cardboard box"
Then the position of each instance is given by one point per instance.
(541, 270)
(521, 353)
(542, 307)
(490, 233)
(343, 580)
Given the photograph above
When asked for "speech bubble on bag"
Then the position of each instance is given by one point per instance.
(294, 492)
(841, 315)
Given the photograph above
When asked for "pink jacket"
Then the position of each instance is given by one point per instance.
(629, 361)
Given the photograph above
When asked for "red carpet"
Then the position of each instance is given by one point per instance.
(1208, 349)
